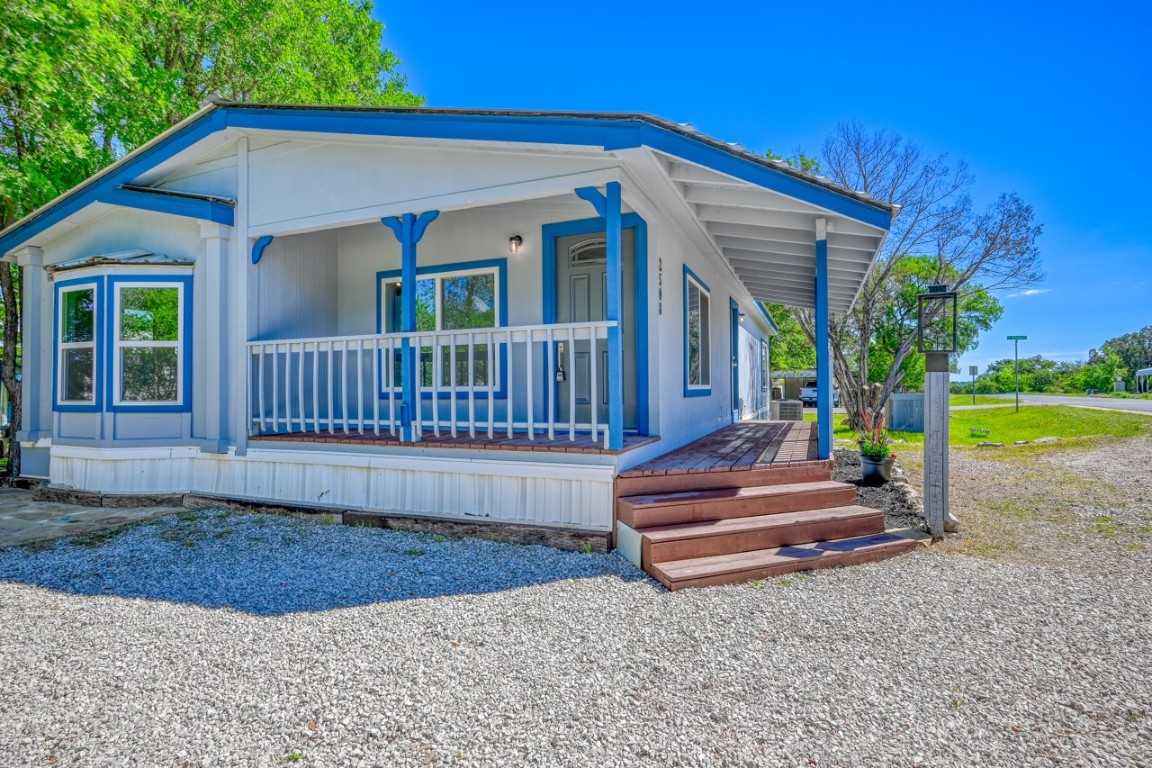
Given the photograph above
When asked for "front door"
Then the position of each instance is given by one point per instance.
(581, 291)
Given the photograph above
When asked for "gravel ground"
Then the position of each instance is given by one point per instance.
(249, 640)
(898, 513)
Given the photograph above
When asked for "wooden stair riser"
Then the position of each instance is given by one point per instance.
(724, 508)
(765, 538)
(806, 472)
(870, 555)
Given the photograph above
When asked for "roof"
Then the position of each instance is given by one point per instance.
(769, 244)
(1144, 372)
(134, 257)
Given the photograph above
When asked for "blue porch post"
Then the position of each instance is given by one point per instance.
(409, 229)
(607, 205)
(823, 347)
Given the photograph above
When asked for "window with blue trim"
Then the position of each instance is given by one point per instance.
(449, 298)
(148, 364)
(76, 362)
(697, 332)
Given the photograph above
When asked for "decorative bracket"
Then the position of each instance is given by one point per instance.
(259, 247)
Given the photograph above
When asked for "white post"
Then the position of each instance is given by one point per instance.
(211, 311)
(241, 312)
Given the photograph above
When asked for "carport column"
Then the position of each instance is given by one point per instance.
(823, 347)
(607, 205)
(409, 229)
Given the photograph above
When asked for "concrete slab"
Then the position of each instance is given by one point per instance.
(25, 521)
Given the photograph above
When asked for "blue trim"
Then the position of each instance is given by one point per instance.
(734, 351)
(613, 312)
(409, 230)
(764, 312)
(501, 267)
(697, 391)
(550, 233)
(823, 355)
(185, 405)
(595, 198)
(259, 247)
(176, 205)
(97, 282)
(610, 134)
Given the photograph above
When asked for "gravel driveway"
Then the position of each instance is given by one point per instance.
(248, 640)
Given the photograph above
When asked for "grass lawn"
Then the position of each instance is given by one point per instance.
(1004, 425)
(980, 400)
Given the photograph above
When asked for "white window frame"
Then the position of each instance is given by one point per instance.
(62, 347)
(118, 346)
(704, 344)
(438, 293)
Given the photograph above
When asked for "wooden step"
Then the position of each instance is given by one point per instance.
(747, 534)
(649, 510)
(777, 561)
(673, 482)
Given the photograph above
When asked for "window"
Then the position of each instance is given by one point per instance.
(76, 365)
(765, 365)
(454, 298)
(697, 331)
(149, 327)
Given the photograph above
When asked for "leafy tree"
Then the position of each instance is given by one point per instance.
(1133, 351)
(84, 81)
(792, 350)
(972, 251)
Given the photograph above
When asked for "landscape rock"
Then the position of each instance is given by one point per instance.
(1048, 440)
(987, 444)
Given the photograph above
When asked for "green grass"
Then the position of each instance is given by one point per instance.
(1005, 425)
(980, 400)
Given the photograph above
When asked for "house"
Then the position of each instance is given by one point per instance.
(516, 318)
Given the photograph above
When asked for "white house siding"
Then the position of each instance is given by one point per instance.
(118, 229)
(471, 487)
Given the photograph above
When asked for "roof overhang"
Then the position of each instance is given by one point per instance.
(758, 214)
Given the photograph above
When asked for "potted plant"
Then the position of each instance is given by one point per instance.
(876, 457)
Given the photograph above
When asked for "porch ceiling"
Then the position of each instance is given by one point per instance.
(769, 239)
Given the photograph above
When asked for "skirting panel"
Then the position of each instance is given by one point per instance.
(505, 491)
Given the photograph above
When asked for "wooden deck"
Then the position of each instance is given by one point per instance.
(745, 445)
(499, 442)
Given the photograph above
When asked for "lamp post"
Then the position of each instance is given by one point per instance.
(1017, 340)
(938, 341)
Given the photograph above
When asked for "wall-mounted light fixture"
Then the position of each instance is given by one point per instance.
(515, 243)
(743, 317)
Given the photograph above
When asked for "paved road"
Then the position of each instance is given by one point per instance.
(1112, 403)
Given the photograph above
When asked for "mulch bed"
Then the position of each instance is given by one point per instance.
(898, 513)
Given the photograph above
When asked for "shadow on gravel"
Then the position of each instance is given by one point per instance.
(268, 565)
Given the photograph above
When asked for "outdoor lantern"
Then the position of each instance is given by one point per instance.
(937, 331)
(515, 243)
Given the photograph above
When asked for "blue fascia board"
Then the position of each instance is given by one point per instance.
(767, 317)
(192, 208)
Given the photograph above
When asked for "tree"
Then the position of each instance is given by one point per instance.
(83, 82)
(1133, 351)
(974, 252)
(792, 350)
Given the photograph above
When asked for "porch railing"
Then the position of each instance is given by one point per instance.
(483, 381)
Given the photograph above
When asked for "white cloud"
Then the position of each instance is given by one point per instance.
(1030, 292)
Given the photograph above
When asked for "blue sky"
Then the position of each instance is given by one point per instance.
(1048, 100)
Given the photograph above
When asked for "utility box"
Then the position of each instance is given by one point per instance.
(787, 410)
(906, 412)
(1118, 385)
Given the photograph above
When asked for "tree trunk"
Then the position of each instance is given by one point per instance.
(10, 285)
